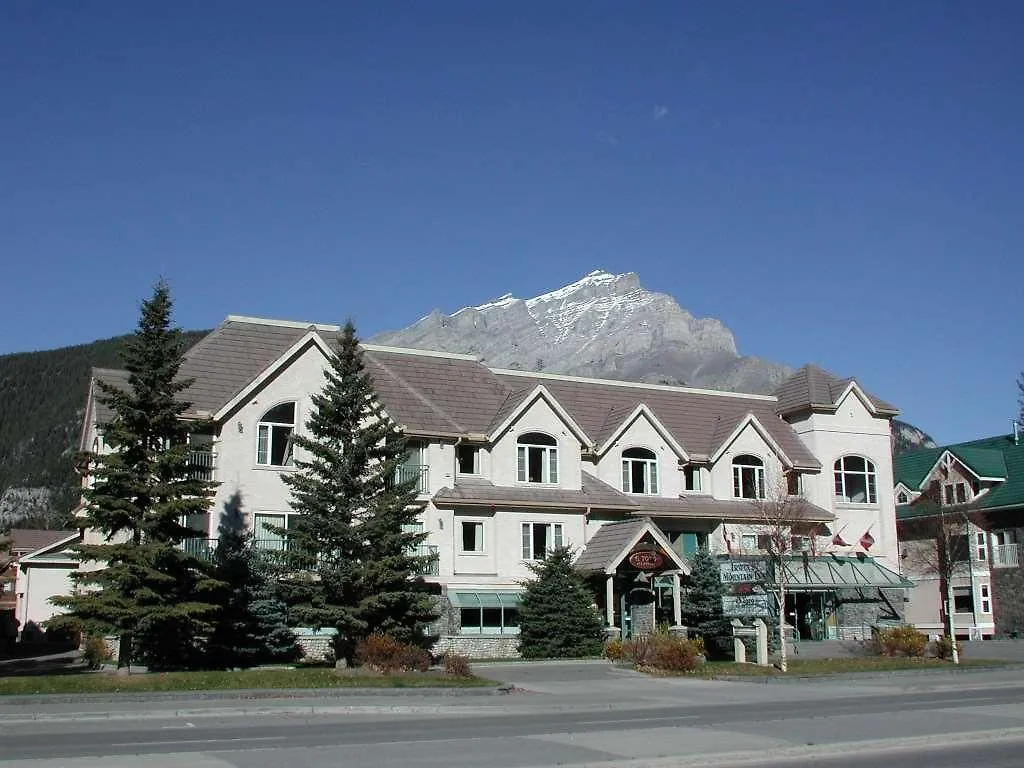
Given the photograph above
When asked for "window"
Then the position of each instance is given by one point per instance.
(954, 493)
(540, 538)
(748, 542)
(855, 480)
(270, 530)
(537, 458)
(986, 599)
(981, 540)
(901, 498)
(691, 477)
(687, 543)
(487, 613)
(963, 600)
(274, 436)
(747, 477)
(467, 458)
(639, 471)
(472, 535)
(414, 468)
(794, 483)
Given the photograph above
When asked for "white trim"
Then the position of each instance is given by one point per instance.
(281, 323)
(949, 453)
(653, 420)
(855, 388)
(632, 384)
(273, 368)
(417, 352)
(752, 420)
(540, 392)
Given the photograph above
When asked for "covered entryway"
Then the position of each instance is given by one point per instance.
(634, 571)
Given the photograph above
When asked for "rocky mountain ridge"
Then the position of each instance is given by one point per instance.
(602, 325)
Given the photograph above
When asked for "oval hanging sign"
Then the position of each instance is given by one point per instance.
(646, 560)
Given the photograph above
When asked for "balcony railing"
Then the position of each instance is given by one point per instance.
(430, 568)
(199, 547)
(201, 465)
(418, 472)
(1005, 556)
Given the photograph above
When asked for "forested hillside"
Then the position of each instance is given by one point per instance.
(42, 398)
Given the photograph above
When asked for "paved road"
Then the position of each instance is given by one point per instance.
(586, 714)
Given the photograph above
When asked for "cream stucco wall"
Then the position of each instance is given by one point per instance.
(538, 417)
(853, 430)
(641, 433)
(37, 583)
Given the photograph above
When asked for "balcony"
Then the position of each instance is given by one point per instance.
(418, 472)
(201, 465)
(430, 568)
(1005, 556)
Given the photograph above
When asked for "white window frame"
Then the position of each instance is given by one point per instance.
(648, 466)
(981, 546)
(266, 430)
(741, 467)
(748, 542)
(555, 538)
(985, 593)
(548, 459)
(481, 529)
(869, 475)
(257, 527)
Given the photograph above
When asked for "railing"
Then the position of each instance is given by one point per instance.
(418, 472)
(199, 547)
(1005, 556)
(272, 545)
(430, 568)
(201, 465)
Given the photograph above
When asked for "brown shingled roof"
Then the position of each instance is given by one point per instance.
(475, 491)
(26, 540)
(812, 387)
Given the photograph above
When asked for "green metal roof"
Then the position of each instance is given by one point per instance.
(839, 572)
(990, 457)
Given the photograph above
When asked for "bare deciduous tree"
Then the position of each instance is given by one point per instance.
(782, 519)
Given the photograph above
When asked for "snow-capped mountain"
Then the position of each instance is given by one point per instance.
(602, 325)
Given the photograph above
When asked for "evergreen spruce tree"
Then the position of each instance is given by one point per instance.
(556, 616)
(702, 606)
(252, 624)
(146, 589)
(350, 564)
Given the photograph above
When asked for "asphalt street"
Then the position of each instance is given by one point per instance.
(560, 714)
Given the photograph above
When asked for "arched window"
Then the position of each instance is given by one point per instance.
(537, 458)
(639, 471)
(855, 480)
(747, 477)
(274, 436)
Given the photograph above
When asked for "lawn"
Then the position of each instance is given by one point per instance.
(269, 679)
(823, 667)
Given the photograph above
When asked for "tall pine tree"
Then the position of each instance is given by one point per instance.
(351, 561)
(702, 607)
(145, 588)
(252, 624)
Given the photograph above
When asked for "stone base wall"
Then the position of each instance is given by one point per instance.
(479, 646)
(1008, 601)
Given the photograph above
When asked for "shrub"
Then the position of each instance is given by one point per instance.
(95, 652)
(698, 645)
(615, 650)
(664, 652)
(385, 654)
(456, 665)
(942, 647)
(903, 640)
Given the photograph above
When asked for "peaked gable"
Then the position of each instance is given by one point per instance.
(540, 394)
(642, 411)
(750, 420)
(814, 389)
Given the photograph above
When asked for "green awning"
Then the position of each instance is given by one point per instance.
(485, 599)
(839, 572)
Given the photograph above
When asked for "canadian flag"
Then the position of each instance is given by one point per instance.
(837, 541)
(867, 539)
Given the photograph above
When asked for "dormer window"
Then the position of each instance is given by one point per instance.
(537, 458)
(747, 477)
(901, 498)
(691, 478)
(274, 436)
(639, 471)
(955, 493)
(468, 459)
(855, 480)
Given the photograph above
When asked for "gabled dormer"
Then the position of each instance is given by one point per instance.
(640, 456)
(749, 463)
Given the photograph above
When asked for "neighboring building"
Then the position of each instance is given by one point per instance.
(980, 486)
(511, 464)
(39, 565)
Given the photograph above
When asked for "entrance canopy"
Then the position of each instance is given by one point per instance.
(615, 542)
(466, 599)
(839, 572)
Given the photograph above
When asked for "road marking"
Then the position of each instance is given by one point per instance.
(195, 741)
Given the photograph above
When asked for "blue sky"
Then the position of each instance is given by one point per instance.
(839, 183)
